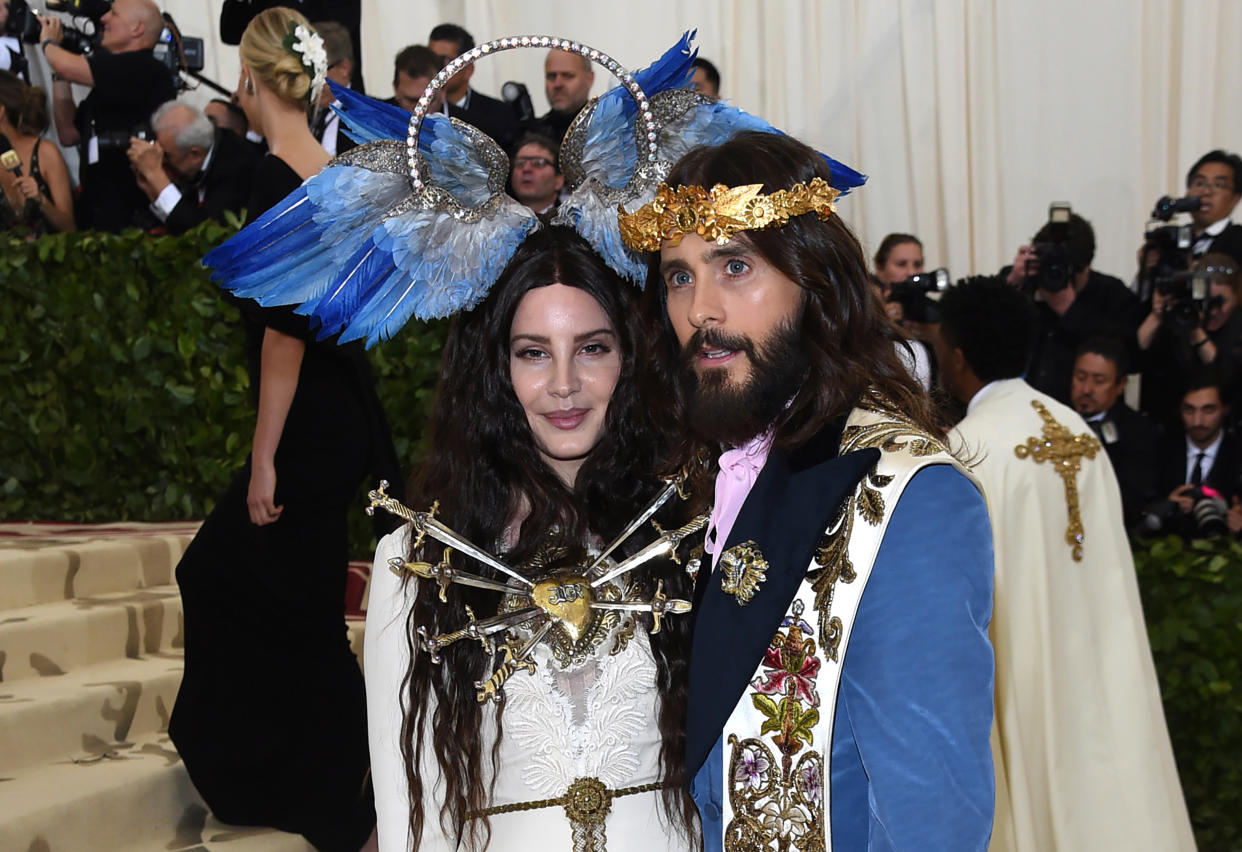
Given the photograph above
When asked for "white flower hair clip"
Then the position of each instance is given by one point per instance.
(307, 46)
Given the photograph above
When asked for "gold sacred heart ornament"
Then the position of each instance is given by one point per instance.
(567, 600)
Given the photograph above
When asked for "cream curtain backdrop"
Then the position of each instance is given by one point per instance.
(970, 116)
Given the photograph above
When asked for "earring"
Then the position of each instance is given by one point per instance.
(248, 85)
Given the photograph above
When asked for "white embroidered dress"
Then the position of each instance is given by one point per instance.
(595, 719)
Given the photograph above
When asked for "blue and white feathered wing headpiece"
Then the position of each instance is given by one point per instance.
(416, 221)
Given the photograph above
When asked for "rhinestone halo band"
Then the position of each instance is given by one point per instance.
(511, 43)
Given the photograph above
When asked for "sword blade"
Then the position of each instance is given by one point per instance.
(444, 535)
(652, 508)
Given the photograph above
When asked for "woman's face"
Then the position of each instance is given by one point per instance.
(564, 361)
(904, 260)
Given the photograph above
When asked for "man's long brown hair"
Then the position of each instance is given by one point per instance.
(849, 343)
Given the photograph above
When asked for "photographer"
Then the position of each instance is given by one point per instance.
(192, 171)
(1216, 180)
(1075, 302)
(1199, 466)
(1191, 326)
(127, 83)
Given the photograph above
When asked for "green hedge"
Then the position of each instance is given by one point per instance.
(124, 396)
(123, 386)
(1192, 599)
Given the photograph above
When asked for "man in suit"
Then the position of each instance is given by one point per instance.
(1082, 753)
(1205, 456)
(192, 171)
(1129, 438)
(1216, 180)
(820, 713)
(495, 118)
(567, 80)
(413, 69)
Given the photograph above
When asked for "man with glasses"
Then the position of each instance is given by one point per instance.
(536, 176)
(1216, 179)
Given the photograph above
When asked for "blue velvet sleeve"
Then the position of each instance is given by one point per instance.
(915, 707)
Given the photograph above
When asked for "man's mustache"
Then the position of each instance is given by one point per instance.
(715, 338)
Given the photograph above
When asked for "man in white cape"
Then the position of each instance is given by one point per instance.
(1082, 753)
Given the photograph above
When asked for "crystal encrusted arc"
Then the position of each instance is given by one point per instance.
(510, 43)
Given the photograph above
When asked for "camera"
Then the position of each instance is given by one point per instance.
(1170, 244)
(1207, 516)
(1052, 268)
(913, 295)
(1167, 206)
(118, 140)
(1191, 298)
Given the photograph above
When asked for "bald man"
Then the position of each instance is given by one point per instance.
(127, 83)
(567, 80)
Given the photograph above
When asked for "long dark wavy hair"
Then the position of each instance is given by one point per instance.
(847, 339)
(482, 466)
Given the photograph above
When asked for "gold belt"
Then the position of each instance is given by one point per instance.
(586, 804)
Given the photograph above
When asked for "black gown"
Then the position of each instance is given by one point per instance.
(271, 715)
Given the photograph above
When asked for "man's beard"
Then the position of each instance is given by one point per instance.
(729, 413)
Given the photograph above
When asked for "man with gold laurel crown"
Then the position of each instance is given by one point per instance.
(1082, 753)
(841, 674)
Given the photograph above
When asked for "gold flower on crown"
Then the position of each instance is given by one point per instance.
(719, 214)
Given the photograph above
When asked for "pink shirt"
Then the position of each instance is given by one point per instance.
(739, 468)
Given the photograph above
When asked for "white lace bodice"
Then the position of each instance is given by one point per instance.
(596, 718)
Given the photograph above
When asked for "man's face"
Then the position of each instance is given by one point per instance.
(4, 13)
(1203, 413)
(118, 24)
(1212, 184)
(736, 317)
(701, 84)
(566, 81)
(1095, 385)
(183, 165)
(407, 90)
(458, 82)
(536, 181)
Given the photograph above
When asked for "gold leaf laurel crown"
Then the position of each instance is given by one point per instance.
(721, 213)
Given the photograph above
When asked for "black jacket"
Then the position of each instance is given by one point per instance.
(1104, 306)
(495, 118)
(1130, 440)
(226, 183)
(1224, 473)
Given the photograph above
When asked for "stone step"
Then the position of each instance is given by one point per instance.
(38, 641)
(85, 712)
(38, 569)
(136, 799)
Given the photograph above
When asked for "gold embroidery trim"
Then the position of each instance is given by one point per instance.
(1064, 451)
(719, 214)
(894, 433)
(586, 803)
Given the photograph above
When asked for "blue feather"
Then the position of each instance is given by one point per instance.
(672, 70)
(718, 122)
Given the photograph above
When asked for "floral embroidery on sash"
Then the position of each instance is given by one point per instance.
(776, 780)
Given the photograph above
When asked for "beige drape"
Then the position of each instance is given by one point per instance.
(969, 115)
